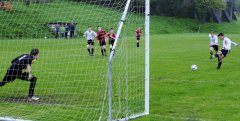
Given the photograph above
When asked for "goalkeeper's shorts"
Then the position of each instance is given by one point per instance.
(12, 75)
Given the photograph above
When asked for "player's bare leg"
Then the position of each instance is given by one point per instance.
(88, 48)
(211, 52)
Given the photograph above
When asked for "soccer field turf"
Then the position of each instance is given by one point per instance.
(179, 94)
(71, 84)
(176, 92)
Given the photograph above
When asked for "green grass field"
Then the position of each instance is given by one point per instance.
(72, 86)
(179, 94)
(176, 92)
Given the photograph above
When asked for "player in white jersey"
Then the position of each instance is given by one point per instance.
(90, 36)
(213, 43)
(225, 50)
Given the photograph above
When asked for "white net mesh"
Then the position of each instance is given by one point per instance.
(128, 87)
(71, 84)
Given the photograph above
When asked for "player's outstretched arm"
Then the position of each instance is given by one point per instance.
(234, 43)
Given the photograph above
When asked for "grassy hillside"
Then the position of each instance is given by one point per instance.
(31, 21)
(169, 25)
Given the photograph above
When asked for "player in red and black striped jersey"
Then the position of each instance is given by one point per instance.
(101, 37)
(112, 36)
(138, 33)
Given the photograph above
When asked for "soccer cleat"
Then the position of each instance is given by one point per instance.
(33, 98)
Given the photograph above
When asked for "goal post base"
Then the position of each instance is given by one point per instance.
(132, 117)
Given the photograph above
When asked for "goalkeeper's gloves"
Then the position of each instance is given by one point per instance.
(30, 76)
(28, 69)
(34, 60)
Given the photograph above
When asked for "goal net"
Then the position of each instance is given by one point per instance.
(71, 84)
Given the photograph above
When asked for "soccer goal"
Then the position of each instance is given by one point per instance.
(71, 84)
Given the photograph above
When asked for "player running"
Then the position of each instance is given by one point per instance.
(112, 36)
(138, 33)
(101, 37)
(21, 68)
(90, 36)
(225, 50)
(213, 44)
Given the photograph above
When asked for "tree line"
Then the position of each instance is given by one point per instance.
(188, 8)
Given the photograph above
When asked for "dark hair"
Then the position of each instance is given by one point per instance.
(221, 34)
(34, 51)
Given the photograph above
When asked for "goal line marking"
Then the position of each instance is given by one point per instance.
(11, 119)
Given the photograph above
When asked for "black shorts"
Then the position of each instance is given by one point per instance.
(90, 42)
(215, 47)
(102, 43)
(225, 52)
(12, 75)
(111, 42)
(138, 37)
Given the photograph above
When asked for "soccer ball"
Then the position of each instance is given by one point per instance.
(45, 37)
(194, 67)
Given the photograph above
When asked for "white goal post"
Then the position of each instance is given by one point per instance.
(147, 64)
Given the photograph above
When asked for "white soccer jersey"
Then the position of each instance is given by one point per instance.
(90, 35)
(213, 39)
(227, 43)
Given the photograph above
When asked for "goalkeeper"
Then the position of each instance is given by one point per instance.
(21, 68)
